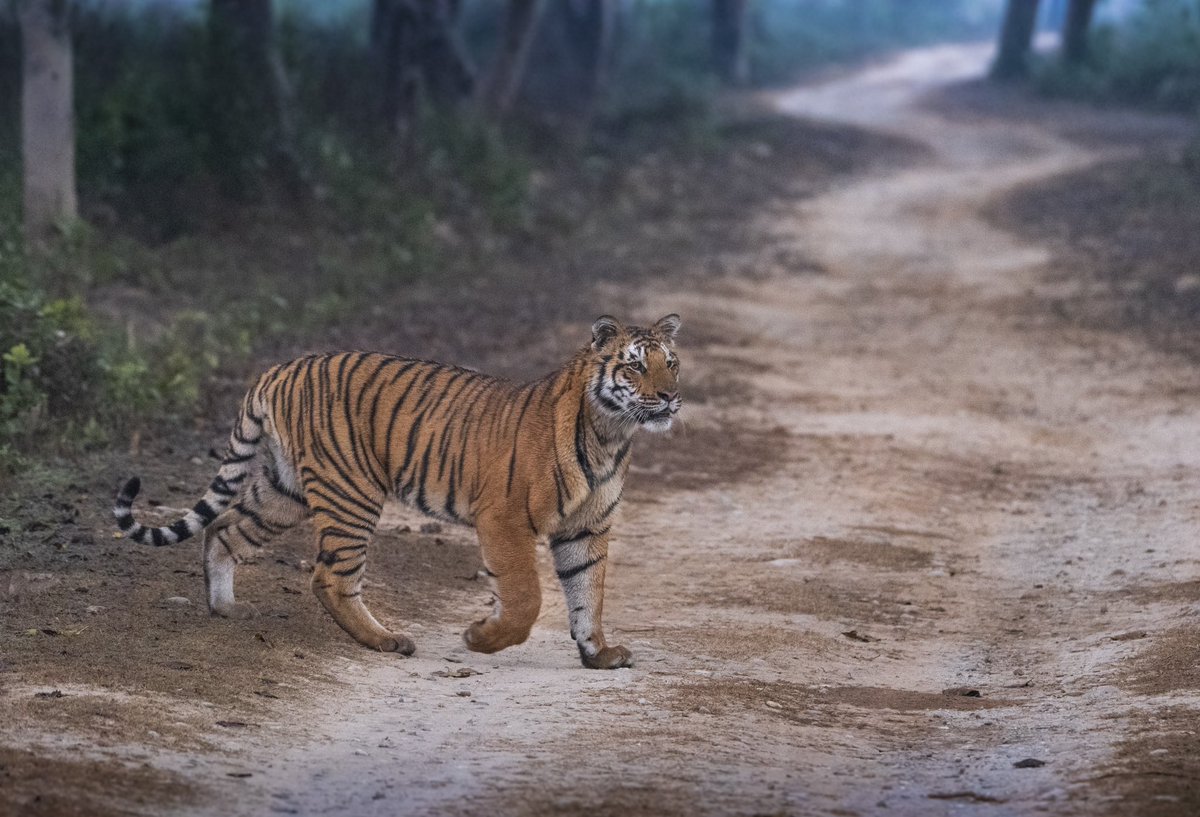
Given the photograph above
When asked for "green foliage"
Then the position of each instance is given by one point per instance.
(490, 163)
(209, 272)
(1150, 58)
(70, 381)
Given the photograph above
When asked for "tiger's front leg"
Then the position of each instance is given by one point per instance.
(579, 561)
(509, 550)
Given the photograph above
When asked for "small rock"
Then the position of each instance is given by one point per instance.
(431, 527)
(1187, 283)
(1132, 635)
(1029, 763)
(774, 705)
(963, 692)
(54, 693)
(457, 672)
(94, 608)
(182, 601)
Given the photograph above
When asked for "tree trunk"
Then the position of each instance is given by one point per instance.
(568, 64)
(250, 106)
(588, 26)
(417, 53)
(498, 93)
(1016, 39)
(47, 116)
(729, 40)
(1075, 30)
(395, 33)
(448, 71)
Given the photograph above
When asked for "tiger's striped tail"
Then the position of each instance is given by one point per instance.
(239, 457)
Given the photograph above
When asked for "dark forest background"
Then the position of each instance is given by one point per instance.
(186, 183)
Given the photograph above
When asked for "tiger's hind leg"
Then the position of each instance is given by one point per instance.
(236, 536)
(343, 530)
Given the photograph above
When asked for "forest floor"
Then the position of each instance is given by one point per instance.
(924, 543)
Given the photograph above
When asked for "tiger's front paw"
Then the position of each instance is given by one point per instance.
(397, 643)
(607, 658)
(238, 610)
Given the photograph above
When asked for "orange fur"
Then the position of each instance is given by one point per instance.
(331, 436)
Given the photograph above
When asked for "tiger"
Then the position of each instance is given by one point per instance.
(329, 437)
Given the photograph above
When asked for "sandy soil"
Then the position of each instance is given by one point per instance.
(914, 531)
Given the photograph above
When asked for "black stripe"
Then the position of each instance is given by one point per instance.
(285, 491)
(336, 553)
(450, 492)
(205, 511)
(558, 489)
(420, 377)
(529, 517)
(221, 486)
(622, 452)
(410, 445)
(581, 454)
(419, 480)
(180, 529)
(559, 541)
(319, 489)
(512, 462)
(571, 573)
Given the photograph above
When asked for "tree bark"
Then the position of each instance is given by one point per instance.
(729, 40)
(250, 105)
(417, 54)
(1016, 39)
(498, 93)
(47, 116)
(588, 25)
(1075, 30)
(569, 60)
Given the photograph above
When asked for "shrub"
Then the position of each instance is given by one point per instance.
(1150, 58)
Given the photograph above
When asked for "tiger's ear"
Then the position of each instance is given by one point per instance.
(668, 326)
(605, 328)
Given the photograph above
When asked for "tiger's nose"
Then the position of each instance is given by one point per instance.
(667, 396)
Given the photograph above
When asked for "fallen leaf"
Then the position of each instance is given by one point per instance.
(855, 635)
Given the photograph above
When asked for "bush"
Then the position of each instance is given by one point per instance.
(1150, 58)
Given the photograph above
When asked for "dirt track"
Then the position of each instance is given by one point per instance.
(937, 487)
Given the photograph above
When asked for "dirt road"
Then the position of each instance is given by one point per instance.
(917, 532)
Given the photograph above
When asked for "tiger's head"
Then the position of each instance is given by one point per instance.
(637, 372)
